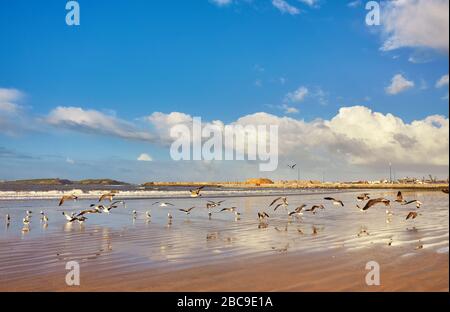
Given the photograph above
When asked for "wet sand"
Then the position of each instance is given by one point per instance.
(321, 252)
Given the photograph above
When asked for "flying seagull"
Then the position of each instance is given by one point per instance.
(418, 203)
(96, 209)
(292, 166)
(67, 197)
(313, 208)
(162, 204)
(187, 211)
(412, 215)
(196, 192)
(213, 204)
(399, 198)
(109, 195)
(231, 209)
(362, 197)
(336, 202)
(284, 202)
(374, 202)
(262, 216)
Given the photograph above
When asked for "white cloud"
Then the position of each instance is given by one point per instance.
(70, 161)
(144, 157)
(285, 7)
(92, 121)
(289, 109)
(416, 23)
(8, 99)
(354, 4)
(399, 84)
(355, 136)
(221, 2)
(442, 82)
(311, 3)
(297, 95)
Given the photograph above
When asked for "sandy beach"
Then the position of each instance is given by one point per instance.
(327, 251)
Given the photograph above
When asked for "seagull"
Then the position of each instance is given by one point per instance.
(262, 216)
(26, 221)
(399, 198)
(315, 230)
(284, 202)
(418, 203)
(336, 202)
(231, 209)
(108, 195)
(8, 218)
(162, 204)
(213, 204)
(67, 197)
(81, 219)
(187, 211)
(70, 218)
(374, 202)
(363, 231)
(96, 209)
(134, 214)
(29, 213)
(148, 214)
(362, 197)
(297, 211)
(45, 219)
(292, 166)
(170, 217)
(412, 215)
(196, 192)
(313, 208)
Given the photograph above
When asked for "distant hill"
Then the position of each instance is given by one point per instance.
(68, 182)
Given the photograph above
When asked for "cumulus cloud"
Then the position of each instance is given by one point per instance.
(285, 7)
(144, 157)
(399, 84)
(355, 136)
(9, 99)
(297, 95)
(442, 82)
(416, 23)
(92, 121)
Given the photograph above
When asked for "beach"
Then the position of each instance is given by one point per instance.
(326, 251)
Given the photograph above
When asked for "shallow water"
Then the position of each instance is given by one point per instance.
(116, 242)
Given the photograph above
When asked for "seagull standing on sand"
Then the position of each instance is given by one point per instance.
(374, 202)
(336, 202)
(64, 198)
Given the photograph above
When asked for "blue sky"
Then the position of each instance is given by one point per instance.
(129, 59)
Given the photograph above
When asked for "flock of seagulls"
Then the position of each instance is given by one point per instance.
(262, 216)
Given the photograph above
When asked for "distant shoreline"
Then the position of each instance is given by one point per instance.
(249, 184)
